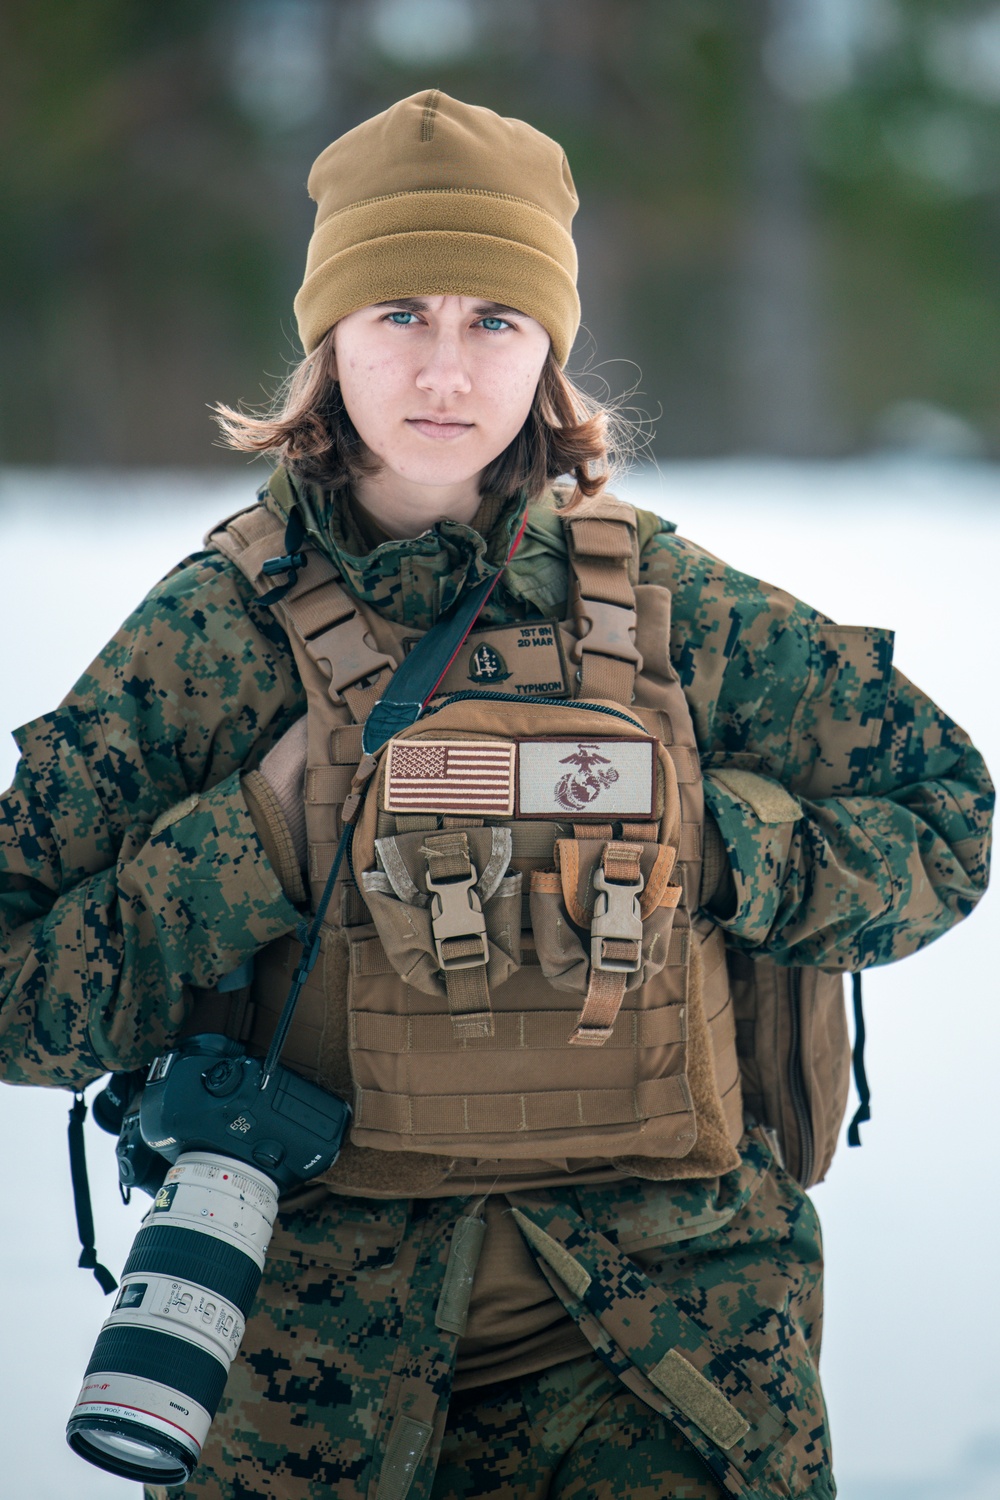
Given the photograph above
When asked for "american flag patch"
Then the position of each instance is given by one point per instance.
(450, 776)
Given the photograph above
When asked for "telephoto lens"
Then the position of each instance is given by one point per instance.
(161, 1360)
(236, 1138)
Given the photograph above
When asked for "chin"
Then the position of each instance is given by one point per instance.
(434, 470)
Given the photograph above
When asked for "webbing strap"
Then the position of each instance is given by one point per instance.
(863, 1112)
(81, 1198)
(449, 1115)
(603, 559)
(459, 929)
(615, 955)
(605, 993)
(513, 1030)
(604, 678)
(312, 606)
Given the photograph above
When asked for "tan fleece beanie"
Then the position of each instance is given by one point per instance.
(435, 196)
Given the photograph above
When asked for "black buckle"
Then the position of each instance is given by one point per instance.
(290, 562)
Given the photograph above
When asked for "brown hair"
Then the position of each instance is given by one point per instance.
(307, 427)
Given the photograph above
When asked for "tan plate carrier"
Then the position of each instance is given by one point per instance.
(509, 1055)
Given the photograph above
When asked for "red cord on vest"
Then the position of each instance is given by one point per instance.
(485, 599)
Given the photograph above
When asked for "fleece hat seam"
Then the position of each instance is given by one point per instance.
(458, 192)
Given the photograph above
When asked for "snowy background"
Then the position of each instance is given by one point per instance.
(911, 1221)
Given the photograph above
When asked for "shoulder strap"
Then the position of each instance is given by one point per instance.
(321, 615)
(604, 564)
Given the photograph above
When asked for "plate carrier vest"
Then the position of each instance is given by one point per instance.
(512, 988)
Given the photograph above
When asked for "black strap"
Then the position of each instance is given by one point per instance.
(309, 935)
(291, 561)
(81, 1198)
(417, 678)
(863, 1112)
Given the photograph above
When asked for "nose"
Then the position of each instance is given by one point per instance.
(444, 372)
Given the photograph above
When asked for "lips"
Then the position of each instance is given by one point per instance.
(438, 430)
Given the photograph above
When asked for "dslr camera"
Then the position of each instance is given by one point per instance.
(215, 1139)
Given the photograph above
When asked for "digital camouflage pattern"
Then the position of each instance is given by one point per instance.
(132, 876)
(131, 871)
(346, 1341)
(573, 1432)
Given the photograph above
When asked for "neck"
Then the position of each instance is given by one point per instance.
(405, 509)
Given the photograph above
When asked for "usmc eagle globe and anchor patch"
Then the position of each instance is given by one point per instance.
(524, 778)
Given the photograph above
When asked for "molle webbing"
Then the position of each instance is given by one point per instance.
(346, 652)
(461, 937)
(315, 611)
(604, 558)
(455, 1115)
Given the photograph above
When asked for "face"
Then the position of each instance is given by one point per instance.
(437, 387)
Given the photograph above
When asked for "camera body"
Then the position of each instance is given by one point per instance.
(215, 1148)
(206, 1096)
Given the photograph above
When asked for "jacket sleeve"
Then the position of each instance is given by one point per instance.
(855, 813)
(131, 870)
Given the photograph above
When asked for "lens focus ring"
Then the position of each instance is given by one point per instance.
(166, 1250)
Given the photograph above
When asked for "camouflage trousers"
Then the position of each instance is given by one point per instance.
(702, 1303)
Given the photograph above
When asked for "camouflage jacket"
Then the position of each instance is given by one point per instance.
(131, 870)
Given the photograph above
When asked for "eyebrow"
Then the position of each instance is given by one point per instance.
(419, 304)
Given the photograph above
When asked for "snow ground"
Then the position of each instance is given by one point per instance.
(913, 1306)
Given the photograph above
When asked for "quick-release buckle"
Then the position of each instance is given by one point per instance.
(457, 922)
(347, 653)
(610, 631)
(616, 930)
(289, 562)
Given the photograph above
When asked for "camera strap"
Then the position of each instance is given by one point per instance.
(81, 1198)
(863, 1113)
(411, 688)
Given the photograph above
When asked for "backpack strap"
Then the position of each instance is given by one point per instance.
(314, 608)
(604, 565)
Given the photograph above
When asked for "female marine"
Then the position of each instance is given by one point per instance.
(559, 1253)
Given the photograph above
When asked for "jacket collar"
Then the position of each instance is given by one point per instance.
(414, 582)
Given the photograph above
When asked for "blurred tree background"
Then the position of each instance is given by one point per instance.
(789, 235)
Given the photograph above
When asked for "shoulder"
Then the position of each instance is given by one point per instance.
(708, 589)
(202, 612)
(189, 680)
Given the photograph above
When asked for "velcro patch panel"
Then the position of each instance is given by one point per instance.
(582, 779)
(474, 777)
(560, 778)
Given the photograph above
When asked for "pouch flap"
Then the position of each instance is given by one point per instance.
(578, 859)
(403, 861)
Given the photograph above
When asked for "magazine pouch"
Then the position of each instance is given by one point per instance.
(448, 914)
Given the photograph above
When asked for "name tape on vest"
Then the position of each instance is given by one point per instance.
(550, 778)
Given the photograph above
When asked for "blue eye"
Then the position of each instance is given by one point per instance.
(494, 325)
(402, 319)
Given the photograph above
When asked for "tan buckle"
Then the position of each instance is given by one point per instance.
(346, 651)
(456, 921)
(610, 632)
(617, 921)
